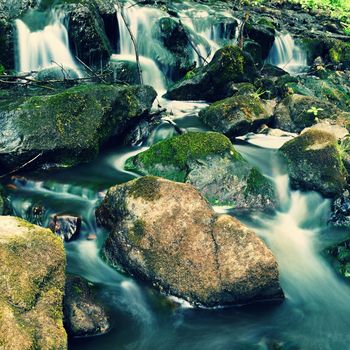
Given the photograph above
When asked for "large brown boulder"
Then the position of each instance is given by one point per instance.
(32, 274)
(167, 234)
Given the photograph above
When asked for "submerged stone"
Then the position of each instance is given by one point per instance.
(314, 162)
(167, 234)
(69, 127)
(32, 274)
(210, 163)
(84, 315)
(65, 226)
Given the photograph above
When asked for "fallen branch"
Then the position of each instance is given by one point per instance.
(22, 166)
(120, 8)
(241, 31)
(94, 74)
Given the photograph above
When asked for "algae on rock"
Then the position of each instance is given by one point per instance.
(210, 163)
(32, 274)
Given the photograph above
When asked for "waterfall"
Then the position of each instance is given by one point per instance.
(287, 55)
(207, 34)
(40, 49)
(140, 21)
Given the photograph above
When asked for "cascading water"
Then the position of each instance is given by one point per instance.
(206, 36)
(140, 20)
(287, 55)
(44, 48)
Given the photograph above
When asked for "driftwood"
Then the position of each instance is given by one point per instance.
(120, 8)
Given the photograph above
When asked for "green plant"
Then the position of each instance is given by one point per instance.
(314, 110)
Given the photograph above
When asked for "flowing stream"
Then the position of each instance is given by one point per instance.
(315, 314)
(287, 55)
(46, 44)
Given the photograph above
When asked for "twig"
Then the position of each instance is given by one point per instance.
(22, 166)
(120, 8)
(90, 70)
(192, 44)
(241, 30)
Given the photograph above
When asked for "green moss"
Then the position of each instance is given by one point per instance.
(146, 187)
(315, 162)
(340, 52)
(258, 184)
(170, 158)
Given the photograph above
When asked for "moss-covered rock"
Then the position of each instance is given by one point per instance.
(214, 81)
(32, 273)
(68, 127)
(84, 314)
(176, 242)
(56, 73)
(237, 115)
(339, 52)
(296, 112)
(210, 163)
(314, 161)
(333, 87)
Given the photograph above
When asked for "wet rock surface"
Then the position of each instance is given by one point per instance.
(65, 226)
(84, 315)
(167, 234)
(215, 80)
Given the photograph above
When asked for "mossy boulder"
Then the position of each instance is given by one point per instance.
(210, 163)
(333, 87)
(237, 115)
(87, 35)
(314, 162)
(84, 315)
(339, 52)
(68, 127)
(296, 112)
(167, 234)
(215, 80)
(32, 274)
